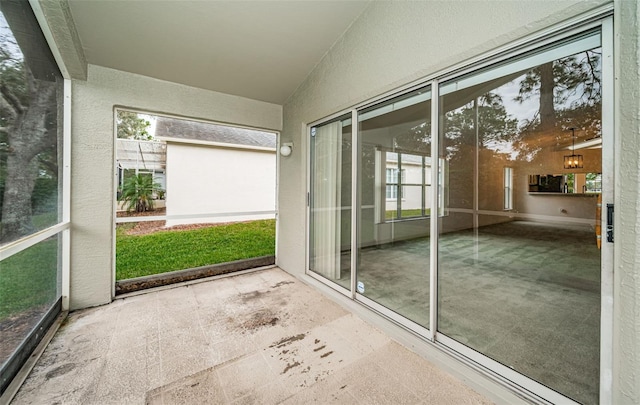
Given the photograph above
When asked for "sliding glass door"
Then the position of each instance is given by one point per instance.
(394, 166)
(330, 201)
(519, 270)
(513, 161)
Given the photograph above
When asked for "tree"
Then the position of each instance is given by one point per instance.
(570, 95)
(132, 126)
(485, 117)
(138, 192)
(29, 116)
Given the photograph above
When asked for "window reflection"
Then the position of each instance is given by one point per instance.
(395, 177)
(520, 271)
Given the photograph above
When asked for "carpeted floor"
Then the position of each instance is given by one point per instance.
(525, 294)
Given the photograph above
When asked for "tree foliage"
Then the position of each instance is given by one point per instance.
(131, 126)
(138, 192)
(28, 136)
(570, 96)
(485, 117)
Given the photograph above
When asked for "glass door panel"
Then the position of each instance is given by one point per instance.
(519, 266)
(394, 172)
(330, 201)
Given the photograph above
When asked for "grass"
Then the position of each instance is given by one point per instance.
(406, 213)
(160, 252)
(42, 221)
(29, 279)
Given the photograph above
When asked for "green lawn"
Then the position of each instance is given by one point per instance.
(160, 252)
(405, 213)
(42, 221)
(29, 279)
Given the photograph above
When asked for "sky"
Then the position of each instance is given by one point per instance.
(7, 40)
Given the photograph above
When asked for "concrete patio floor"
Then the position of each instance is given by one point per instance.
(262, 337)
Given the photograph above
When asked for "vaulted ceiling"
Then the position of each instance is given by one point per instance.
(257, 49)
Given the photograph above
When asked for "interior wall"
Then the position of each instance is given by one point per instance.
(92, 155)
(390, 45)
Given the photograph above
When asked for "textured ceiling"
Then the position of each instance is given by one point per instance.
(257, 49)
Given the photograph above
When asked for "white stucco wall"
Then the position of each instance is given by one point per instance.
(93, 173)
(393, 44)
(626, 287)
(206, 180)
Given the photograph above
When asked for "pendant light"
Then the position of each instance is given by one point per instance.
(573, 161)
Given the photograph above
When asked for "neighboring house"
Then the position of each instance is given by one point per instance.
(407, 185)
(217, 173)
(141, 157)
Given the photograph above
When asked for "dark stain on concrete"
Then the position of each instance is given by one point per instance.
(260, 319)
(290, 366)
(287, 341)
(326, 354)
(317, 349)
(316, 341)
(280, 284)
(60, 370)
(251, 296)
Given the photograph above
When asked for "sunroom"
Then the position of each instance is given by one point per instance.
(461, 175)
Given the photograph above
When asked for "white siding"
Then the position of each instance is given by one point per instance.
(208, 180)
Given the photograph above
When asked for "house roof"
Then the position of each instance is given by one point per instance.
(142, 155)
(176, 128)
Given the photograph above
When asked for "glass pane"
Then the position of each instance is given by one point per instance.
(31, 118)
(393, 254)
(523, 286)
(412, 202)
(29, 286)
(330, 201)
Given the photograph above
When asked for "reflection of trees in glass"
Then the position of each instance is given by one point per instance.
(486, 114)
(416, 139)
(28, 129)
(481, 124)
(487, 126)
(570, 95)
(568, 92)
(131, 126)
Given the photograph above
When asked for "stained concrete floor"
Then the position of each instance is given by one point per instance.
(257, 338)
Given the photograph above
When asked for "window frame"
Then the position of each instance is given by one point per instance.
(399, 187)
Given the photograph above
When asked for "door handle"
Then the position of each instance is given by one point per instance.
(610, 223)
